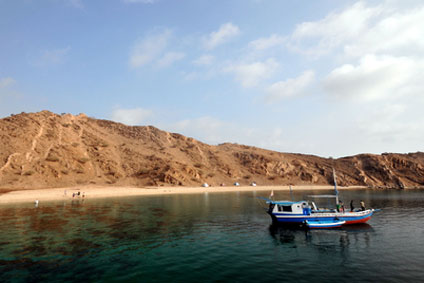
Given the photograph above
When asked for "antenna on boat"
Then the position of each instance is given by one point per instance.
(336, 192)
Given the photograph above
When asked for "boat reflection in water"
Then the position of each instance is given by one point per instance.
(298, 237)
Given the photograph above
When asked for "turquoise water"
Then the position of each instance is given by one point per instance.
(217, 237)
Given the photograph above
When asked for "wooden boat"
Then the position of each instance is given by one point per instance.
(299, 212)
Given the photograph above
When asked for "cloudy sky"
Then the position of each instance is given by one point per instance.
(324, 77)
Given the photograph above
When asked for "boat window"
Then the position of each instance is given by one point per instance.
(287, 208)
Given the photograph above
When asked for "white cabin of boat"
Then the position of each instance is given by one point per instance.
(300, 207)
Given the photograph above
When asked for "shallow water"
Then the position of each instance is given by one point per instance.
(208, 237)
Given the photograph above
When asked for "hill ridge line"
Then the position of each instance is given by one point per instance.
(69, 150)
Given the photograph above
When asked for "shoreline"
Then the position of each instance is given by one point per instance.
(95, 192)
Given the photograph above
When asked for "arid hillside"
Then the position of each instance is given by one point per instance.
(49, 150)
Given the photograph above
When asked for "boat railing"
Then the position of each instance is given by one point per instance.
(323, 211)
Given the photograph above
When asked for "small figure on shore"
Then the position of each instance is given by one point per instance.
(36, 203)
(79, 193)
(342, 209)
(362, 205)
(351, 206)
(83, 195)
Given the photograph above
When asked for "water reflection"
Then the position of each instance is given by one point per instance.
(322, 239)
(210, 237)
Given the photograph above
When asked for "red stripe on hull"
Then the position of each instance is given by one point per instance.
(363, 220)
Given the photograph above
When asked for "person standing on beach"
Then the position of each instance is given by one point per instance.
(362, 205)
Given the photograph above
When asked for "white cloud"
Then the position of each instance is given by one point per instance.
(376, 77)
(265, 43)
(225, 33)
(53, 57)
(398, 33)
(204, 60)
(320, 37)
(251, 74)
(169, 58)
(5, 82)
(290, 87)
(140, 1)
(135, 116)
(361, 29)
(380, 48)
(149, 48)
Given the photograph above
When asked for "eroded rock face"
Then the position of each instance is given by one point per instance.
(48, 150)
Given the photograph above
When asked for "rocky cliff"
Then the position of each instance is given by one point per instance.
(49, 150)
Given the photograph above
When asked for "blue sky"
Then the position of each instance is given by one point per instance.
(330, 78)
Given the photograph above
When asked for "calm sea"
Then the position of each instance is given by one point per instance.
(221, 237)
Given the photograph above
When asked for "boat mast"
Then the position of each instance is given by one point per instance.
(335, 187)
(291, 193)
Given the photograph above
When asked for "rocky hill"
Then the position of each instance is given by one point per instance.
(49, 150)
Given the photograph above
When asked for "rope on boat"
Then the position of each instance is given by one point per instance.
(261, 203)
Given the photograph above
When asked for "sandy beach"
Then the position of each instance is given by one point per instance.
(89, 192)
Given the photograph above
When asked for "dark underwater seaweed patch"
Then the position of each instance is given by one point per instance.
(158, 212)
(80, 245)
(49, 223)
